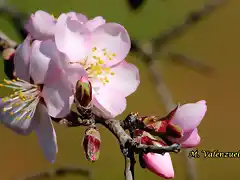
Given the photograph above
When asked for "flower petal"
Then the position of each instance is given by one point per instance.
(74, 73)
(125, 79)
(42, 69)
(21, 60)
(23, 126)
(189, 116)
(78, 17)
(193, 139)
(95, 22)
(46, 134)
(58, 97)
(41, 25)
(108, 102)
(114, 38)
(70, 38)
(188, 140)
(159, 164)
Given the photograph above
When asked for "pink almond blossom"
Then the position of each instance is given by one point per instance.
(41, 91)
(99, 56)
(188, 117)
(93, 49)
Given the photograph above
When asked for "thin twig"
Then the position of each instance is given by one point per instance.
(6, 42)
(191, 19)
(194, 64)
(127, 170)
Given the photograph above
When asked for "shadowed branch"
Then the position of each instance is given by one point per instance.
(60, 172)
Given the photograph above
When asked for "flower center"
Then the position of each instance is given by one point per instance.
(23, 102)
(95, 64)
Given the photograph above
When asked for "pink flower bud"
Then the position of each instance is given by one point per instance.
(84, 91)
(91, 144)
(160, 165)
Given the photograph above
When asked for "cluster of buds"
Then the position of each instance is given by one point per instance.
(165, 130)
(91, 141)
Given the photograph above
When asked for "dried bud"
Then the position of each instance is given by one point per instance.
(83, 92)
(174, 131)
(144, 137)
(163, 125)
(91, 144)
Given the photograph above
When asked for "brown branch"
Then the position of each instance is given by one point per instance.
(124, 139)
(128, 173)
(194, 64)
(60, 172)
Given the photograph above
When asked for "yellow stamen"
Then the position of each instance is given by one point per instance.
(94, 49)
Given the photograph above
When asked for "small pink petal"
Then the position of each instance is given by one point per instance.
(95, 22)
(108, 102)
(41, 25)
(125, 79)
(70, 38)
(46, 134)
(58, 97)
(189, 116)
(77, 16)
(43, 69)
(159, 164)
(192, 141)
(114, 38)
(21, 60)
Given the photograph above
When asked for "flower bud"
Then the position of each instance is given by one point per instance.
(83, 92)
(91, 144)
(159, 164)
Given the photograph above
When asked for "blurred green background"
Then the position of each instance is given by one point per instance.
(214, 41)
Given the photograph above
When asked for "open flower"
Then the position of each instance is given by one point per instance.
(40, 91)
(188, 117)
(93, 49)
(99, 56)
